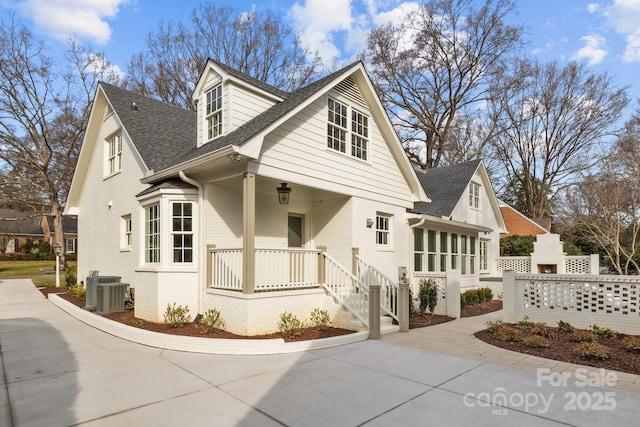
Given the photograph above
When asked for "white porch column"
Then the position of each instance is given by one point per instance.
(249, 232)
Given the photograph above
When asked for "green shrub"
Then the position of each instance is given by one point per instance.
(428, 295)
(320, 319)
(592, 350)
(632, 343)
(176, 317)
(289, 325)
(525, 323)
(565, 326)
(211, 321)
(412, 308)
(581, 335)
(70, 279)
(604, 332)
(535, 341)
(543, 330)
(77, 291)
(475, 296)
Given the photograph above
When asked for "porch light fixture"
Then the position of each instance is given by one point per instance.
(369, 223)
(283, 193)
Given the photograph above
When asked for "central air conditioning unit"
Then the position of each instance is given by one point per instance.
(92, 287)
(111, 297)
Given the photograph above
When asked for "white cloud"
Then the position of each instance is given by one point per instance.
(624, 16)
(323, 24)
(594, 50)
(64, 18)
(593, 7)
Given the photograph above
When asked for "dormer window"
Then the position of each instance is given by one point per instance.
(474, 195)
(214, 112)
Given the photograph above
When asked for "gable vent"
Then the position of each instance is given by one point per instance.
(109, 112)
(348, 89)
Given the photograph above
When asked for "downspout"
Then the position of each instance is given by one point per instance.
(202, 255)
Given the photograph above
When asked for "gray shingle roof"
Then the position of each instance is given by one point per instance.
(251, 80)
(69, 224)
(161, 132)
(168, 184)
(13, 221)
(262, 121)
(166, 135)
(444, 186)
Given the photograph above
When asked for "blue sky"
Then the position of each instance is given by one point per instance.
(604, 34)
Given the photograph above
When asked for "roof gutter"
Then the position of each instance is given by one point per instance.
(421, 219)
(176, 169)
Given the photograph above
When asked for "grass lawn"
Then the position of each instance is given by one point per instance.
(32, 269)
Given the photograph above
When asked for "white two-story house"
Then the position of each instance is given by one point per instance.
(264, 201)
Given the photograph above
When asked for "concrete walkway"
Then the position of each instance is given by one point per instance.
(456, 338)
(57, 371)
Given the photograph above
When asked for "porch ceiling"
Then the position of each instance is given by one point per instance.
(268, 186)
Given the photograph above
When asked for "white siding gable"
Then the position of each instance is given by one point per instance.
(297, 151)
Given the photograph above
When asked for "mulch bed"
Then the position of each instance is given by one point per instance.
(480, 309)
(193, 329)
(423, 320)
(563, 349)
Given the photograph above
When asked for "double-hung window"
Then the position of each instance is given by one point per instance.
(126, 232)
(340, 129)
(152, 234)
(474, 195)
(443, 251)
(214, 112)
(484, 255)
(463, 256)
(383, 230)
(114, 154)
(454, 251)
(472, 255)
(182, 232)
(418, 249)
(337, 127)
(431, 248)
(359, 134)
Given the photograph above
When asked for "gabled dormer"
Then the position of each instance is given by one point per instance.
(226, 99)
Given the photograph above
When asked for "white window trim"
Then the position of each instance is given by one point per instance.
(144, 246)
(349, 133)
(474, 195)
(483, 263)
(173, 233)
(388, 232)
(124, 233)
(214, 112)
(115, 140)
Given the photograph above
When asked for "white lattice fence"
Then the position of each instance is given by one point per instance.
(577, 264)
(441, 282)
(521, 264)
(611, 301)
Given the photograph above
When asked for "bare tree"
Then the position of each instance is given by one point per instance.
(435, 71)
(605, 205)
(44, 108)
(260, 45)
(553, 117)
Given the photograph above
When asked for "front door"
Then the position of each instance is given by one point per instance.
(296, 241)
(296, 231)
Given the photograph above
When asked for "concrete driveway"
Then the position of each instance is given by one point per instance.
(57, 371)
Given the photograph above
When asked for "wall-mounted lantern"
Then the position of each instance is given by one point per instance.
(369, 223)
(283, 193)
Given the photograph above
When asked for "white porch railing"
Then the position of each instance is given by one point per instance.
(351, 292)
(276, 269)
(388, 288)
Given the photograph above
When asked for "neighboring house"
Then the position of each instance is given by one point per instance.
(519, 225)
(263, 191)
(20, 229)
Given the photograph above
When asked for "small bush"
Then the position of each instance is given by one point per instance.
(77, 291)
(504, 331)
(428, 295)
(176, 317)
(525, 323)
(412, 307)
(581, 335)
(211, 321)
(565, 326)
(592, 350)
(535, 341)
(70, 279)
(604, 332)
(475, 296)
(320, 319)
(632, 343)
(289, 325)
(543, 330)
